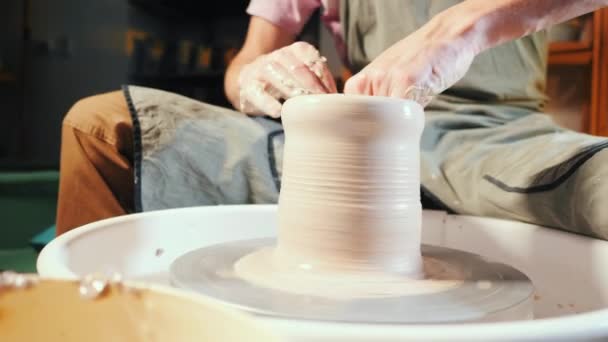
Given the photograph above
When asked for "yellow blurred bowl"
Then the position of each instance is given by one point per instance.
(53, 311)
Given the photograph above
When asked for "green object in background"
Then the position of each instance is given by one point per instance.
(28, 202)
(21, 260)
(42, 239)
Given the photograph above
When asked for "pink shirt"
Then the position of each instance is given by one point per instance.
(292, 15)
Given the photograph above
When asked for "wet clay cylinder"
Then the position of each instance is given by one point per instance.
(350, 192)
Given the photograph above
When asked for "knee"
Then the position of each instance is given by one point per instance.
(596, 216)
(594, 201)
(81, 112)
(97, 111)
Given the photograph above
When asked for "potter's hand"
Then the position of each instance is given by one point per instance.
(418, 67)
(290, 71)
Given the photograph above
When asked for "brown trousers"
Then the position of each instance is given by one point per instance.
(96, 176)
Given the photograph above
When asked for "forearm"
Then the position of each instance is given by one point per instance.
(262, 37)
(231, 86)
(489, 23)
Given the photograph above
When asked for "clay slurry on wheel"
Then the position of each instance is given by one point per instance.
(491, 292)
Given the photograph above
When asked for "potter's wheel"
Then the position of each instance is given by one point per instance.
(570, 302)
(490, 292)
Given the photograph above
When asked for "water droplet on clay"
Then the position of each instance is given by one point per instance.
(92, 286)
(7, 278)
(16, 280)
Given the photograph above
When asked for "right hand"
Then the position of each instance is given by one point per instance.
(294, 70)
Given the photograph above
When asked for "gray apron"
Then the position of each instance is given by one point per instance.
(485, 149)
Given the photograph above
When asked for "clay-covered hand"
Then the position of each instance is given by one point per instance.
(418, 67)
(290, 71)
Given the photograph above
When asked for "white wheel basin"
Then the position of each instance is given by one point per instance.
(570, 272)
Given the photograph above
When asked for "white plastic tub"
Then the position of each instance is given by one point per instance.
(570, 272)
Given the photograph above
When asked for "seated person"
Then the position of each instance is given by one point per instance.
(478, 66)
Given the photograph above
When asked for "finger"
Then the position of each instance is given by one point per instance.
(256, 100)
(380, 77)
(380, 81)
(310, 57)
(281, 80)
(419, 93)
(401, 85)
(327, 78)
(301, 73)
(412, 86)
(357, 84)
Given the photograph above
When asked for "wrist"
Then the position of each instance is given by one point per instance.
(484, 24)
(469, 25)
(231, 81)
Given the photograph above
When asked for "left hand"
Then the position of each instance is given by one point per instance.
(418, 67)
(293, 70)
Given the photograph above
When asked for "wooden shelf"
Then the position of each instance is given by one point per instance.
(591, 53)
(194, 10)
(7, 77)
(571, 53)
(570, 46)
(571, 58)
(598, 118)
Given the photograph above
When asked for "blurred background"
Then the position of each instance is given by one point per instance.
(53, 53)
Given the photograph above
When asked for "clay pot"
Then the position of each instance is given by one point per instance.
(350, 198)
